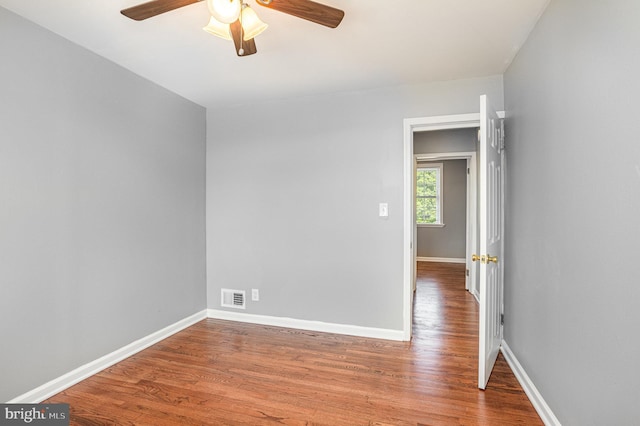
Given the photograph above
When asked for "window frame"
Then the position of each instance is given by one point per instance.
(439, 194)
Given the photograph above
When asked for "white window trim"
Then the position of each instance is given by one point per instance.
(430, 225)
(440, 197)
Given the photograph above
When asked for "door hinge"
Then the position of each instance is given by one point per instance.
(501, 319)
(468, 171)
(467, 272)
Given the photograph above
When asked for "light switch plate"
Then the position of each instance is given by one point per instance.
(384, 210)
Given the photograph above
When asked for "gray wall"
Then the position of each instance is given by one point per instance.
(102, 219)
(453, 140)
(572, 292)
(450, 240)
(292, 199)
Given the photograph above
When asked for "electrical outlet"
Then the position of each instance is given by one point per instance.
(255, 294)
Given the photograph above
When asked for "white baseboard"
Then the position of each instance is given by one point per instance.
(351, 330)
(441, 259)
(530, 389)
(61, 383)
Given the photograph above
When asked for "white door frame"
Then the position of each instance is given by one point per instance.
(411, 125)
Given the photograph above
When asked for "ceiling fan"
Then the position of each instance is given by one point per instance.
(234, 19)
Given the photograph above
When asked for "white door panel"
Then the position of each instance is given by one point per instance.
(491, 228)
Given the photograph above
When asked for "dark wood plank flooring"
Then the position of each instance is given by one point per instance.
(226, 373)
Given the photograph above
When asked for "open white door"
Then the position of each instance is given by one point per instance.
(414, 277)
(491, 246)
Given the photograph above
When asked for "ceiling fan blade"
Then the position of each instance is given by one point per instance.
(307, 9)
(248, 46)
(153, 8)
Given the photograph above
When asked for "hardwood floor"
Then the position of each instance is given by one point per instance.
(226, 373)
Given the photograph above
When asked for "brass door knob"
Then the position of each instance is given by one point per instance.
(484, 259)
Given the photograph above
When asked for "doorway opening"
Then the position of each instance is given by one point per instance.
(412, 126)
(459, 214)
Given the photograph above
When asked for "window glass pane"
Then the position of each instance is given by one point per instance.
(426, 211)
(426, 182)
(428, 195)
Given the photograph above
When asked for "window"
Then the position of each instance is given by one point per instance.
(429, 194)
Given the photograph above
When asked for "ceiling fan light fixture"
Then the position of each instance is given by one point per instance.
(251, 24)
(225, 11)
(218, 29)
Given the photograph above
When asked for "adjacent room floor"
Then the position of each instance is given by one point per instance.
(226, 373)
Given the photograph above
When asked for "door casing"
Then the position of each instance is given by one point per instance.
(410, 126)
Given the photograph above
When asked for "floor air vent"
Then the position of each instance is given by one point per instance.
(232, 298)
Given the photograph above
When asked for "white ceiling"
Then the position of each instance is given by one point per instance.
(379, 43)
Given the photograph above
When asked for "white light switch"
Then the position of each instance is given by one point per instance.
(384, 210)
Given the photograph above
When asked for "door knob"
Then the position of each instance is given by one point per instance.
(484, 259)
